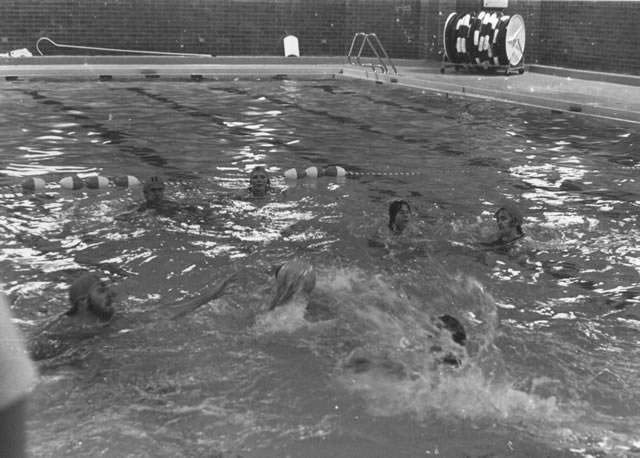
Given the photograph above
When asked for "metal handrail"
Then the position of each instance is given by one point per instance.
(379, 55)
(91, 48)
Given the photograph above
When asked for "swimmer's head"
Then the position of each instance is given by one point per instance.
(90, 294)
(153, 190)
(451, 324)
(399, 211)
(449, 354)
(509, 218)
(292, 277)
(259, 182)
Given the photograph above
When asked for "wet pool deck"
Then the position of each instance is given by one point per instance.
(606, 95)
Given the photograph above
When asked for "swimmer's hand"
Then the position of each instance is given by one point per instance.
(190, 305)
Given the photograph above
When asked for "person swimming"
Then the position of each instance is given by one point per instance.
(91, 297)
(401, 231)
(292, 278)
(458, 335)
(399, 214)
(92, 312)
(156, 203)
(154, 197)
(259, 182)
(509, 219)
(447, 347)
(153, 190)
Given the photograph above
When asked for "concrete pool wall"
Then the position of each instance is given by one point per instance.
(606, 95)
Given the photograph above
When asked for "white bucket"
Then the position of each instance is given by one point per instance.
(291, 46)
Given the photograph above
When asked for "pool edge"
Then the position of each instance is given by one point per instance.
(617, 96)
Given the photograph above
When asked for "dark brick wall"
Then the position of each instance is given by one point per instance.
(219, 27)
(396, 23)
(589, 35)
(595, 34)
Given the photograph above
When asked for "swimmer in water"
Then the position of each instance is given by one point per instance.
(92, 311)
(259, 182)
(399, 224)
(458, 336)
(292, 278)
(154, 196)
(91, 298)
(156, 202)
(399, 214)
(448, 347)
(509, 219)
(296, 279)
(153, 191)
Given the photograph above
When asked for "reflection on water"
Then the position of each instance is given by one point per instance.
(552, 323)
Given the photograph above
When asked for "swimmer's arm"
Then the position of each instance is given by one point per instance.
(299, 227)
(293, 229)
(130, 213)
(378, 239)
(189, 305)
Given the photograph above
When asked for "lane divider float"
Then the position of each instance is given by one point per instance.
(315, 172)
(75, 182)
(336, 171)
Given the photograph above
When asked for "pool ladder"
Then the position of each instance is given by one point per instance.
(376, 47)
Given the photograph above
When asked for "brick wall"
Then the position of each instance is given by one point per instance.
(219, 27)
(589, 34)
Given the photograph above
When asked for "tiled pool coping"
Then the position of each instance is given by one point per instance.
(596, 94)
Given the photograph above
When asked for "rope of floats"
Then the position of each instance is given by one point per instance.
(74, 183)
(337, 171)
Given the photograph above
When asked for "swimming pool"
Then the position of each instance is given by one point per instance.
(553, 326)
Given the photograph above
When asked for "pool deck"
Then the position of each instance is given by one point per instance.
(603, 95)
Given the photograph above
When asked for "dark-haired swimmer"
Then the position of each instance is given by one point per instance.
(156, 202)
(154, 197)
(400, 224)
(91, 298)
(448, 347)
(458, 336)
(399, 213)
(92, 311)
(153, 190)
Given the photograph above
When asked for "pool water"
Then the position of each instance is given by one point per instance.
(553, 323)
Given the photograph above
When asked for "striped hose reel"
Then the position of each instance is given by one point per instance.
(487, 39)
